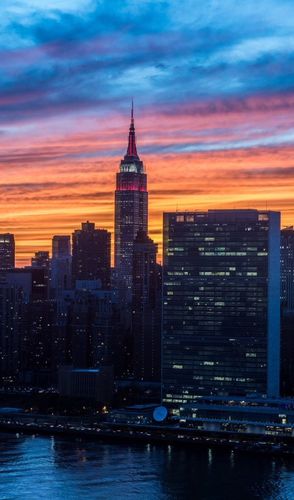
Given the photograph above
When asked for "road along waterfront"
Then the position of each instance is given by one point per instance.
(228, 436)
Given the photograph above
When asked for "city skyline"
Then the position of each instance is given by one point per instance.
(146, 249)
(213, 95)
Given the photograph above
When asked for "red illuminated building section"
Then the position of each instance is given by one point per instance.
(137, 183)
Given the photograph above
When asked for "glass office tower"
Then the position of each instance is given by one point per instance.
(221, 304)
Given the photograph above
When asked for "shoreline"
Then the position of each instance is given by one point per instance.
(149, 434)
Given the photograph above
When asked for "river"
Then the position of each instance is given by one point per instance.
(60, 469)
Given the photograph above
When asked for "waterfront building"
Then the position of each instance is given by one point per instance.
(7, 251)
(91, 254)
(221, 304)
(146, 309)
(94, 384)
(131, 213)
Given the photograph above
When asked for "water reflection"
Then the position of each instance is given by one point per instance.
(64, 469)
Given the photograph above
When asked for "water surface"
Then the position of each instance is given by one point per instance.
(58, 469)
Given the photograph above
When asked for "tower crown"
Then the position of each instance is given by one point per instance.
(131, 161)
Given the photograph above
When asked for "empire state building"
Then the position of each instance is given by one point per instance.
(131, 211)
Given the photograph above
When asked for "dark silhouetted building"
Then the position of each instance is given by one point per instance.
(94, 384)
(33, 280)
(37, 365)
(287, 300)
(146, 309)
(287, 268)
(13, 328)
(7, 251)
(27, 324)
(131, 213)
(221, 306)
(34, 323)
(91, 254)
(41, 261)
(85, 315)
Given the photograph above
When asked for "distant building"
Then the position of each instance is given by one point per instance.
(33, 281)
(221, 305)
(94, 384)
(7, 251)
(131, 213)
(61, 265)
(91, 254)
(60, 246)
(146, 308)
(41, 260)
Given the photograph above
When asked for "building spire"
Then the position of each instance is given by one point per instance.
(132, 149)
(132, 111)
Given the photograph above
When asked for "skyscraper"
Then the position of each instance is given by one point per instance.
(146, 309)
(221, 305)
(7, 251)
(91, 254)
(131, 212)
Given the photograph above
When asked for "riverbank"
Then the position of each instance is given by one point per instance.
(167, 434)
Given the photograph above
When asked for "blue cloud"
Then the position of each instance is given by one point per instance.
(82, 57)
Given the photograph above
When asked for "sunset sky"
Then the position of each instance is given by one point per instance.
(213, 86)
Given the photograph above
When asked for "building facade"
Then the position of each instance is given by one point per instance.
(84, 325)
(221, 305)
(287, 268)
(287, 300)
(91, 254)
(131, 212)
(60, 246)
(146, 309)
